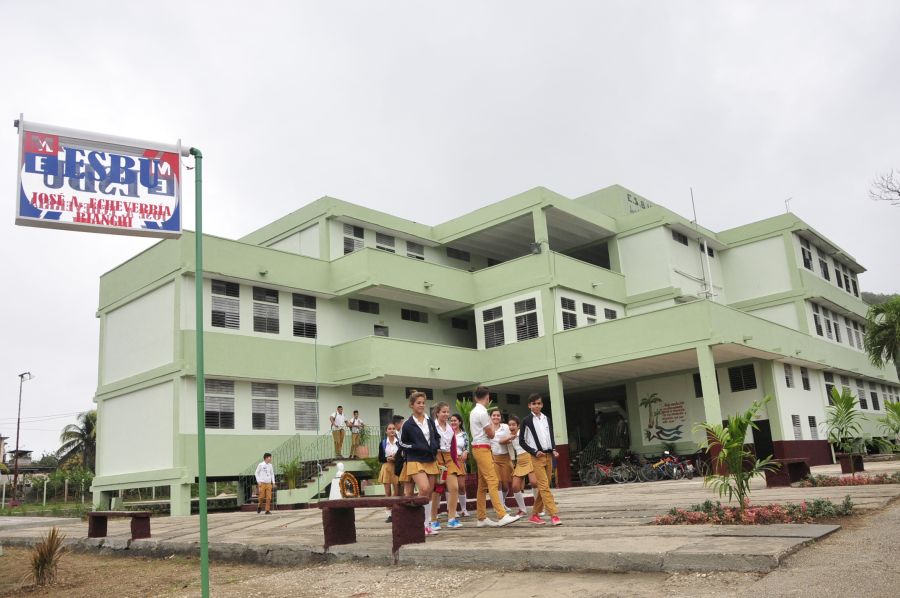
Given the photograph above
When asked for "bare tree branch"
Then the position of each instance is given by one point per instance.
(886, 187)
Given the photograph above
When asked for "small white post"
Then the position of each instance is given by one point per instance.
(215, 488)
(45, 491)
(66, 491)
(153, 492)
(3, 501)
(82, 492)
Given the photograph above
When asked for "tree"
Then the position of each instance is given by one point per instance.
(882, 341)
(80, 438)
(886, 187)
(890, 422)
(48, 460)
(648, 402)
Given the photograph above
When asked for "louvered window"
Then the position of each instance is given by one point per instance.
(493, 327)
(855, 288)
(829, 385)
(589, 309)
(459, 323)
(849, 332)
(306, 416)
(367, 390)
(265, 310)
(265, 414)
(837, 326)
(412, 315)
(569, 317)
(823, 265)
(813, 428)
(698, 386)
(789, 376)
(610, 314)
(857, 335)
(816, 319)
(680, 237)
(526, 319)
(459, 254)
(837, 275)
(807, 254)
(567, 304)
(366, 307)
(874, 395)
(264, 390)
(353, 238)
(798, 431)
(226, 304)
(828, 329)
(804, 377)
(429, 392)
(219, 404)
(304, 392)
(742, 378)
(861, 394)
(384, 242)
(380, 330)
(415, 250)
(304, 307)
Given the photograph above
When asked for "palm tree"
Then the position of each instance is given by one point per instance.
(890, 423)
(882, 340)
(844, 424)
(648, 402)
(80, 438)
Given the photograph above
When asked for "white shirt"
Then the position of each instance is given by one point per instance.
(423, 425)
(390, 448)
(338, 421)
(446, 436)
(265, 473)
(501, 433)
(461, 443)
(478, 421)
(542, 427)
(516, 446)
(356, 425)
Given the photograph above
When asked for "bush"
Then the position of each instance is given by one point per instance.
(45, 557)
(719, 514)
(859, 480)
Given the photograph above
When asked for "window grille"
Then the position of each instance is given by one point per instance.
(610, 314)
(366, 307)
(265, 414)
(813, 428)
(367, 390)
(589, 309)
(789, 376)
(415, 250)
(225, 305)
(384, 242)
(304, 392)
(798, 431)
(412, 315)
(306, 416)
(742, 378)
(680, 237)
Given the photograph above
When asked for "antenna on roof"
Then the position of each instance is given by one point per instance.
(787, 207)
(706, 273)
(693, 207)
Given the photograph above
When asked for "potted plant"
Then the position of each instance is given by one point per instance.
(290, 471)
(362, 449)
(843, 422)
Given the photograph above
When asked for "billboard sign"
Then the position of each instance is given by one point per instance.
(97, 183)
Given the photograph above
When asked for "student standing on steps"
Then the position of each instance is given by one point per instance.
(337, 431)
(265, 482)
(387, 454)
(537, 439)
(482, 432)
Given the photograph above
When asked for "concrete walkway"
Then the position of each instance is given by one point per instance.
(604, 530)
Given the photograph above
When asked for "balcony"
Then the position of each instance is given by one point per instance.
(817, 288)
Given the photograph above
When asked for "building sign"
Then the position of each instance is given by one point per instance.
(664, 421)
(98, 183)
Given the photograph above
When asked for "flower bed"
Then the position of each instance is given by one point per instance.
(718, 514)
(859, 480)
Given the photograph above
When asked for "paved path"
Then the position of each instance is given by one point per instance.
(604, 530)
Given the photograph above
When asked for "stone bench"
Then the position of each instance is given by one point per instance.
(140, 523)
(407, 519)
(789, 472)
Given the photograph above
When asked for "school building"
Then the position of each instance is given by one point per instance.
(633, 322)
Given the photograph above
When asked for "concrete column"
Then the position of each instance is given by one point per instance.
(180, 500)
(711, 404)
(767, 375)
(102, 500)
(541, 234)
(560, 431)
(324, 239)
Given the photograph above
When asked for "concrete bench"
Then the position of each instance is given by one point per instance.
(140, 523)
(789, 472)
(407, 519)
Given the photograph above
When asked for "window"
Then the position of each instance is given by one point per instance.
(265, 310)
(354, 238)
(415, 250)
(304, 315)
(679, 237)
(459, 254)
(837, 327)
(367, 390)
(813, 428)
(823, 265)
(610, 314)
(798, 431)
(874, 396)
(412, 315)
(219, 401)
(816, 319)
(828, 329)
(429, 392)
(526, 319)
(849, 331)
(837, 275)
(381, 330)
(855, 288)
(493, 327)
(709, 250)
(804, 377)
(264, 405)
(742, 378)
(569, 317)
(857, 335)
(861, 394)
(566, 303)
(789, 376)
(807, 254)
(829, 384)
(306, 416)
(304, 392)
(226, 304)
(698, 386)
(846, 279)
(384, 242)
(589, 309)
(513, 399)
(459, 323)
(366, 307)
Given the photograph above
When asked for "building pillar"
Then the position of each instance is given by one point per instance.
(711, 406)
(179, 500)
(102, 500)
(541, 234)
(324, 239)
(560, 430)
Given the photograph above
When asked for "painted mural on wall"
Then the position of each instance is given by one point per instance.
(663, 421)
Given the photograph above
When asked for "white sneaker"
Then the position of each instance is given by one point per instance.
(487, 522)
(507, 519)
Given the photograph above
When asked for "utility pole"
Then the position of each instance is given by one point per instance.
(22, 378)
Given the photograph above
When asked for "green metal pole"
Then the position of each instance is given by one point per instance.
(201, 378)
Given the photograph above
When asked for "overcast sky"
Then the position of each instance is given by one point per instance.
(428, 112)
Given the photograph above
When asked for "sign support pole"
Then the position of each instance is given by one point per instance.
(201, 378)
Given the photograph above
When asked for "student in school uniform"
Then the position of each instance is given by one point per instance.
(522, 468)
(462, 452)
(400, 459)
(537, 440)
(387, 453)
(500, 452)
(482, 431)
(420, 442)
(449, 468)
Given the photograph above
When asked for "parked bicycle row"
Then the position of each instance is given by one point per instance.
(640, 469)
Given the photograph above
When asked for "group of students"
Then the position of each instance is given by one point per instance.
(430, 454)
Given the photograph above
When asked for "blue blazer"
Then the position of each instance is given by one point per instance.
(415, 446)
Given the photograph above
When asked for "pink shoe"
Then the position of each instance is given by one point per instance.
(536, 520)
(428, 531)
(555, 520)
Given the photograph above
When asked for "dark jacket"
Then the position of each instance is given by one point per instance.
(415, 447)
(528, 424)
(382, 449)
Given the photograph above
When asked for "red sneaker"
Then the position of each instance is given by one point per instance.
(536, 520)
(555, 520)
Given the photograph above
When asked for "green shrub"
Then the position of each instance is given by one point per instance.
(45, 557)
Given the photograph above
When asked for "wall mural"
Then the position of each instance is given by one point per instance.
(664, 420)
